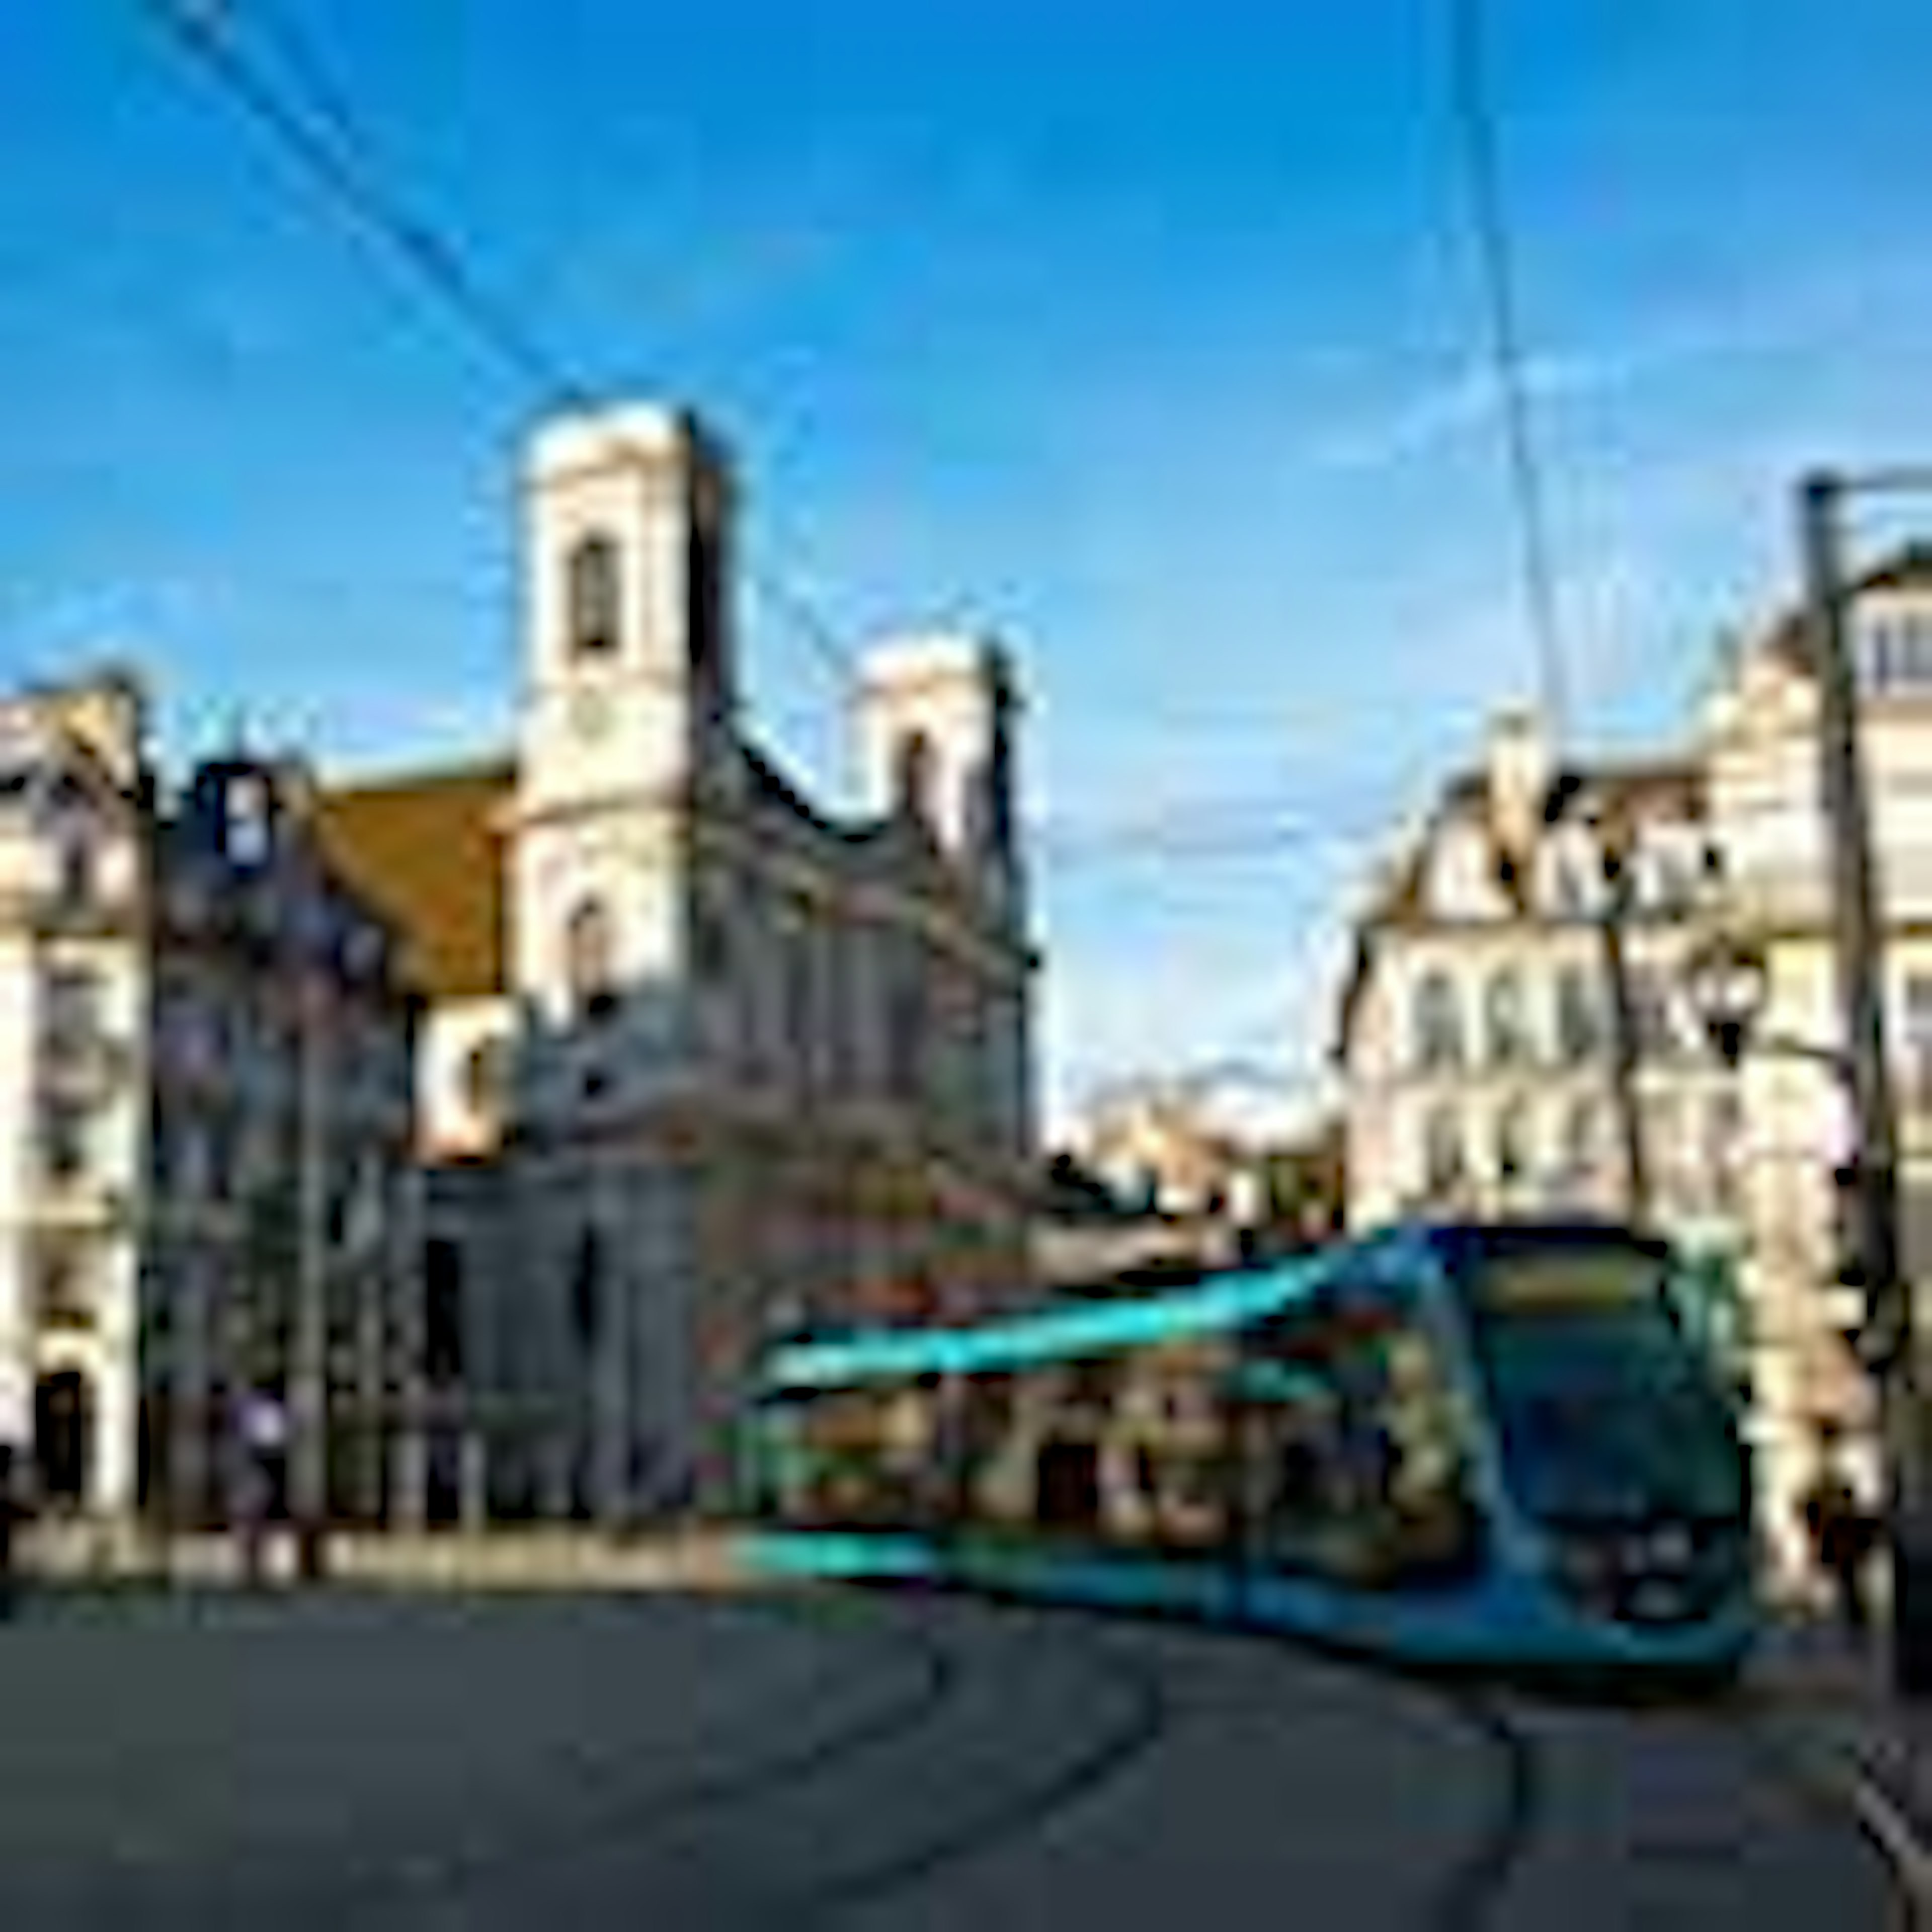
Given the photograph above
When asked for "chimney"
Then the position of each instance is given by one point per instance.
(1521, 769)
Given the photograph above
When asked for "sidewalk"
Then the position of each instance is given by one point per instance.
(1836, 1696)
(510, 1559)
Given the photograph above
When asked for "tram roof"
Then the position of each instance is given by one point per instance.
(1054, 1333)
(1069, 1332)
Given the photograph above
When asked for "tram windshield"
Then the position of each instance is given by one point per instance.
(1606, 1408)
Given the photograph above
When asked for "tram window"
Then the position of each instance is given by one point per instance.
(862, 1458)
(1358, 1463)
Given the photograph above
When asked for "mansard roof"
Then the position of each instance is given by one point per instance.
(1616, 797)
(1907, 568)
(427, 851)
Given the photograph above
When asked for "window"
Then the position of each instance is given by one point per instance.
(588, 962)
(1577, 1028)
(1582, 1133)
(1674, 878)
(1360, 1452)
(63, 1139)
(1512, 1151)
(905, 1020)
(1503, 1011)
(1723, 1150)
(711, 928)
(247, 822)
(72, 994)
(1661, 1117)
(1917, 1043)
(443, 1312)
(486, 1078)
(586, 1292)
(76, 880)
(593, 588)
(915, 774)
(1442, 1152)
(62, 1297)
(1438, 1022)
(1648, 989)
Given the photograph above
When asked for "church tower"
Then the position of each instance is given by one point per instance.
(629, 691)
(628, 683)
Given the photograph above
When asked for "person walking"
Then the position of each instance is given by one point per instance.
(1843, 1532)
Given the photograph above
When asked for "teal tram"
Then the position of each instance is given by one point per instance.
(1498, 1446)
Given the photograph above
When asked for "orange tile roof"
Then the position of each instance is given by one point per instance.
(427, 850)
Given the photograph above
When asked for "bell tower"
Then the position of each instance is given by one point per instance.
(629, 678)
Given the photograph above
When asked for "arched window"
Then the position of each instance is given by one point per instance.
(588, 960)
(1513, 1150)
(915, 774)
(1442, 1151)
(1582, 1131)
(1576, 1015)
(442, 1312)
(593, 599)
(1503, 1013)
(1438, 1022)
(586, 1292)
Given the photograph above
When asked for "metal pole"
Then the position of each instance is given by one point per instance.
(1624, 1044)
(311, 1476)
(1872, 1208)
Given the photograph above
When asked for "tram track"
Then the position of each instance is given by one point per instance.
(1018, 1815)
(601, 1812)
(1826, 1779)
(1473, 1890)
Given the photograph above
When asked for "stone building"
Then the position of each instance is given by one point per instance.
(1481, 1026)
(702, 1059)
(204, 1059)
(1478, 1063)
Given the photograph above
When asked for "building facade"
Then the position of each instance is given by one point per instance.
(206, 1056)
(702, 1059)
(1488, 1071)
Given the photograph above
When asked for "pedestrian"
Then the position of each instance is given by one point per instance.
(264, 1436)
(1843, 1532)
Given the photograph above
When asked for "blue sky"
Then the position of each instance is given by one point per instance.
(1149, 335)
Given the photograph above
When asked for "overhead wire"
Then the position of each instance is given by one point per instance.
(1489, 221)
(300, 102)
(320, 128)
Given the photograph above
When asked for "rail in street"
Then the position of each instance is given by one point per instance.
(871, 1761)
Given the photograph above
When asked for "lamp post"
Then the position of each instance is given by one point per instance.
(1872, 1203)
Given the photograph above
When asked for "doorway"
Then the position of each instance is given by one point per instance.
(63, 1435)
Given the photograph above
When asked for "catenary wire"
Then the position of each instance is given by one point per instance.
(311, 114)
(1489, 221)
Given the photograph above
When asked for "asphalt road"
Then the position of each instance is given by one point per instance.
(857, 1761)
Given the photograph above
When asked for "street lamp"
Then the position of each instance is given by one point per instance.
(1727, 983)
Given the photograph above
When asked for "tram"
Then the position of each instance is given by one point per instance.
(1499, 1446)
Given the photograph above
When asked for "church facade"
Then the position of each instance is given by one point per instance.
(701, 1061)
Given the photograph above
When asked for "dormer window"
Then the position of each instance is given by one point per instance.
(589, 958)
(75, 884)
(593, 584)
(915, 776)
